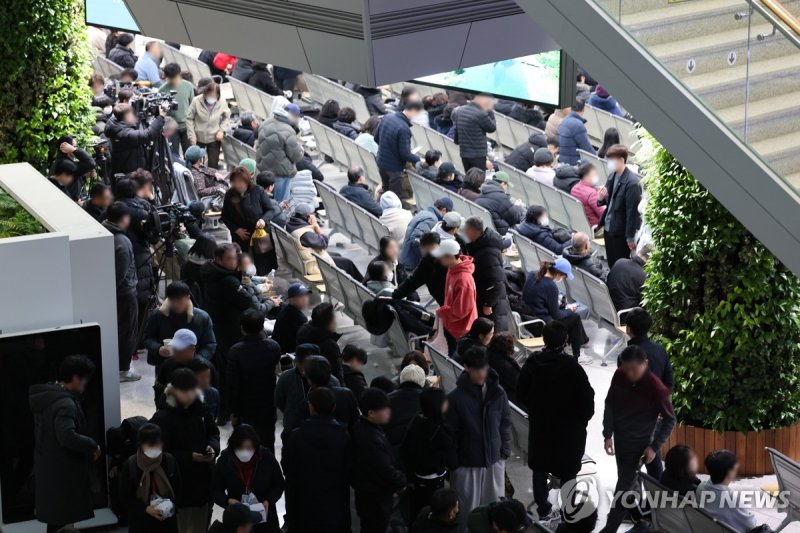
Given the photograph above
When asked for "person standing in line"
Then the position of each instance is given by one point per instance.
(472, 122)
(638, 324)
(394, 147)
(460, 308)
(622, 195)
(480, 419)
(63, 450)
(207, 121)
(291, 317)
(637, 421)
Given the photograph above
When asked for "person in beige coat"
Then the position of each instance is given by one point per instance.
(207, 121)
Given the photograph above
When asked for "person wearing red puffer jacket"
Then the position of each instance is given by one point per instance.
(225, 62)
(460, 309)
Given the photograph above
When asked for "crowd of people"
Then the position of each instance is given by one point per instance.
(414, 456)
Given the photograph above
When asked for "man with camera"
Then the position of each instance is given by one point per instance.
(129, 143)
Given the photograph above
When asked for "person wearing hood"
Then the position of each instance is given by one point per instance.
(459, 310)
(447, 177)
(309, 237)
(423, 222)
(536, 227)
(521, 157)
(248, 473)
(122, 53)
(586, 191)
(500, 351)
(344, 123)
(572, 135)
(148, 475)
(303, 190)
(128, 141)
(480, 419)
(542, 169)
(566, 178)
(63, 450)
(429, 166)
(357, 191)
(557, 439)
(207, 121)
(486, 248)
(439, 514)
(279, 149)
(178, 312)
(191, 436)
(540, 292)
(393, 216)
(581, 255)
(495, 199)
(206, 181)
(602, 100)
(117, 223)
(317, 460)
(321, 331)
(473, 180)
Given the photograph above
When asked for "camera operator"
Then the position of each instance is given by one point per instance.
(84, 166)
(129, 143)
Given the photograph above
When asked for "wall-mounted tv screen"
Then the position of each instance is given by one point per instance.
(110, 14)
(28, 359)
(533, 78)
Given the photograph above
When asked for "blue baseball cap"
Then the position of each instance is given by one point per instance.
(297, 289)
(293, 109)
(564, 266)
(444, 203)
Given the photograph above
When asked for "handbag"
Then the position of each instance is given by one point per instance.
(261, 242)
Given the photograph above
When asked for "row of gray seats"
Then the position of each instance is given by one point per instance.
(106, 67)
(193, 66)
(344, 151)
(251, 99)
(598, 121)
(510, 132)
(427, 192)
(350, 219)
(584, 288)
(321, 89)
(598, 162)
(677, 518)
(289, 256)
(234, 150)
(430, 139)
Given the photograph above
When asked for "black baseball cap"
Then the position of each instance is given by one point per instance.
(238, 515)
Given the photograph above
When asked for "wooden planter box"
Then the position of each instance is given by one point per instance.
(748, 447)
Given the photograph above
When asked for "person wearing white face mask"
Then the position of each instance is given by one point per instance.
(248, 473)
(537, 228)
(586, 191)
(622, 194)
(149, 485)
(207, 121)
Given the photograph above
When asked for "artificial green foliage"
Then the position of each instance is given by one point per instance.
(44, 70)
(725, 307)
(15, 221)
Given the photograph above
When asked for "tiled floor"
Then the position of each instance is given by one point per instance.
(137, 397)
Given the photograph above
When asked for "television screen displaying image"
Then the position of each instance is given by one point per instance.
(31, 358)
(110, 14)
(533, 78)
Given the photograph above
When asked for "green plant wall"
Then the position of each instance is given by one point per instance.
(726, 309)
(15, 221)
(44, 68)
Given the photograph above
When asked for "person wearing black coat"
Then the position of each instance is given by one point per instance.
(321, 330)
(376, 476)
(622, 195)
(521, 157)
(357, 191)
(129, 142)
(472, 122)
(248, 473)
(494, 198)
(428, 272)
(318, 463)
(317, 373)
(404, 402)
(501, 359)
(536, 227)
(638, 324)
(121, 54)
(291, 317)
(566, 178)
(63, 450)
(353, 360)
(68, 150)
(486, 248)
(626, 279)
(580, 255)
(557, 438)
(528, 114)
(147, 473)
(256, 75)
(250, 378)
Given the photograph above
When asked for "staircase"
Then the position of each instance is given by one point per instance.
(705, 43)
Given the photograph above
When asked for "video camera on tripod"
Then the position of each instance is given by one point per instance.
(149, 104)
(164, 222)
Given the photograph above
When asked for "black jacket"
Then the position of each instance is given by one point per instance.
(521, 157)
(360, 195)
(354, 380)
(375, 468)
(247, 210)
(256, 75)
(527, 115)
(621, 217)
(348, 130)
(428, 448)
(250, 382)
(139, 210)
(472, 124)
(496, 200)
(542, 235)
(482, 425)
(246, 135)
(122, 56)
(660, 364)
(566, 178)
(318, 464)
(186, 431)
(507, 370)
(625, 281)
(288, 322)
(162, 324)
(586, 261)
(124, 261)
(225, 299)
(328, 343)
(77, 187)
(129, 143)
(266, 484)
(426, 523)
(97, 213)
(429, 272)
(557, 437)
(404, 402)
(130, 476)
(489, 275)
(62, 455)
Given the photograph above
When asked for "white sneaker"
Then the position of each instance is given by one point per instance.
(128, 375)
(585, 359)
(553, 517)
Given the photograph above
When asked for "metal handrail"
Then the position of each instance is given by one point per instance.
(780, 18)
